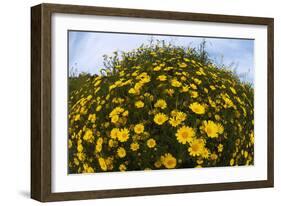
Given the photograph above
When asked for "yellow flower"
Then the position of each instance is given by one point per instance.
(174, 121)
(228, 103)
(233, 90)
(231, 162)
(97, 83)
(83, 111)
(113, 86)
(134, 146)
(181, 116)
(175, 83)
(92, 117)
(217, 117)
(114, 119)
(157, 164)
(138, 86)
(252, 137)
(160, 118)
(110, 143)
(76, 161)
(114, 133)
(109, 163)
(139, 104)
(81, 156)
(102, 164)
(205, 153)
(69, 144)
(200, 161)
(122, 73)
(116, 111)
(125, 114)
(185, 88)
(220, 128)
(170, 92)
(182, 65)
(196, 147)
(123, 135)
(197, 108)
(145, 80)
(177, 118)
(121, 152)
(100, 140)
(99, 107)
(168, 68)
(143, 77)
(194, 94)
(162, 78)
(211, 128)
(246, 154)
(169, 161)
(183, 78)
(89, 97)
(88, 135)
(135, 73)
(118, 100)
(98, 147)
(122, 167)
(214, 156)
(77, 117)
(96, 90)
(79, 148)
(220, 148)
(185, 134)
(193, 86)
(107, 97)
(133, 91)
(212, 87)
(151, 143)
(139, 128)
(161, 103)
(157, 68)
(197, 81)
(88, 169)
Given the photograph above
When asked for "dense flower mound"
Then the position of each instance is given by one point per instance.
(160, 107)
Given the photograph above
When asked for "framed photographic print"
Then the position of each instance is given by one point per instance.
(132, 102)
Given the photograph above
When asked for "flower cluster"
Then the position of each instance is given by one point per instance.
(160, 107)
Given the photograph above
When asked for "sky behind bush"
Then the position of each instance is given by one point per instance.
(86, 50)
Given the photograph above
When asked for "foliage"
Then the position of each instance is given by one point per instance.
(159, 106)
(76, 82)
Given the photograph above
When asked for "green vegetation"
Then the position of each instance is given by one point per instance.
(159, 106)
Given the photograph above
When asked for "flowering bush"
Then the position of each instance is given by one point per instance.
(157, 107)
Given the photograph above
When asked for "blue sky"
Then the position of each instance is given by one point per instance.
(87, 48)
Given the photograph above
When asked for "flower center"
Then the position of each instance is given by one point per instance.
(195, 147)
(185, 135)
(170, 162)
(209, 130)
